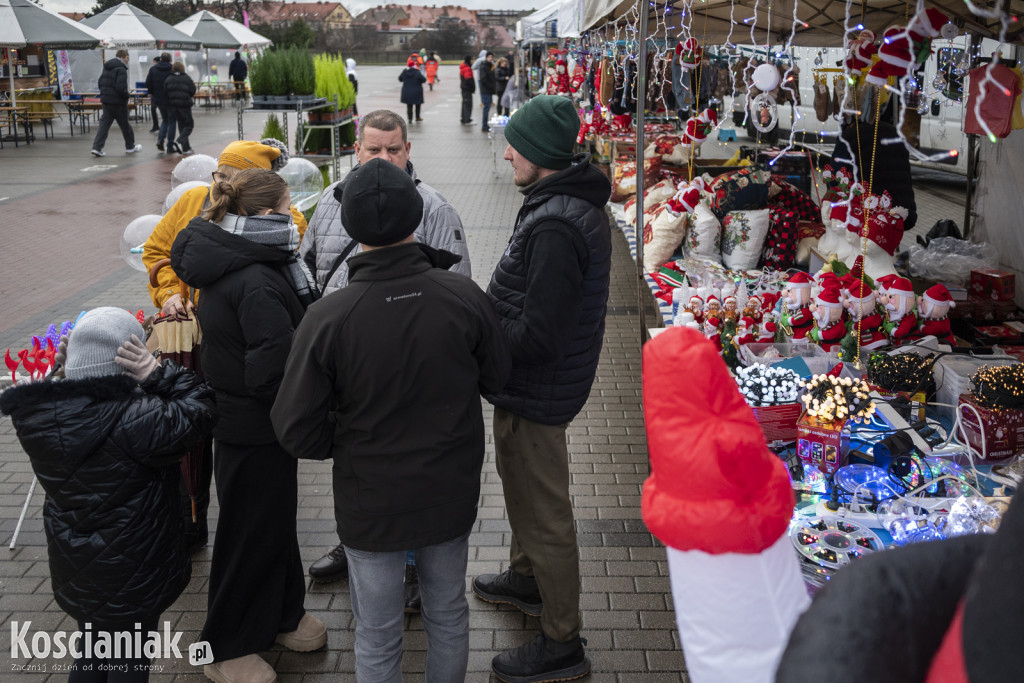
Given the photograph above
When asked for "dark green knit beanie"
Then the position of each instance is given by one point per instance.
(544, 131)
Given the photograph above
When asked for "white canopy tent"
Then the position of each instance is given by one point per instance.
(539, 27)
(571, 14)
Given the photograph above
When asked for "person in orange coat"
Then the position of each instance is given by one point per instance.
(267, 154)
(431, 68)
(721, 502)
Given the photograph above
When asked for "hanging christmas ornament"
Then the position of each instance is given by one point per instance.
(924, 106)
(818, 60)
(938, 82)
(949, 31)
(766, 77)
(764, 112)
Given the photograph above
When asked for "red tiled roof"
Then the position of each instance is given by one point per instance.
(273, 12)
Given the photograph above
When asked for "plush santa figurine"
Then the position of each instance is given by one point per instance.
(901, 318)
(729, 308)
(689, 53)
(860, 305)
(699, 127)
(712, 307)
(695, 305)
(753, 308)
(713, 333)
(720, 502)
(903, 49)
(862, 49)
(829, 320)
(558, 79)
(796, 318)
(933, 307)
(579, 74)
(882, 289)
(744, 332)
(766, 332)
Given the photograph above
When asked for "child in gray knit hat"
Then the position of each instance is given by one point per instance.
(105, 444)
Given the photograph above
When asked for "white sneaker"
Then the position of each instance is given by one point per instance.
(1012, 473)
(133, 150)
(99, 153)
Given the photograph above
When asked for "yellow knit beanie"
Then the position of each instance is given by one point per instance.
(268, 154)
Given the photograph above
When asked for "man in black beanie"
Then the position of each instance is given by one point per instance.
(550, 290)
(385, 377)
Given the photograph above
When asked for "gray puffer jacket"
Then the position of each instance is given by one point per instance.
(326, 238)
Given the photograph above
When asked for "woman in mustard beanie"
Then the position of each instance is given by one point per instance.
(268, 154)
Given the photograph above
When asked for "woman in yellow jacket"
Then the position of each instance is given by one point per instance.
(268, 154)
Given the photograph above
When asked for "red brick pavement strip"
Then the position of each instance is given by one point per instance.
(61, 242)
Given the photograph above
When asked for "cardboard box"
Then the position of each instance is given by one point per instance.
(778, 422)
(821, 445)
(1003, 429)
(994, 284)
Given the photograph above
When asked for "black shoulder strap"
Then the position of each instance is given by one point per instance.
(341, 259)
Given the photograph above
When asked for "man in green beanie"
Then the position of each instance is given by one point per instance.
(550, 290)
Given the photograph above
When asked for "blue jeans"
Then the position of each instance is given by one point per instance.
(167, 126)
(486, 99)
(378, 602)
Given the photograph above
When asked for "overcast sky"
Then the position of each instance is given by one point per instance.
(353, 7)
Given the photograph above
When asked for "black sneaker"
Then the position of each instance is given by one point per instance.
(330, 567)
(160, 146)
(510, 588)
(412, 590)
(542, 660)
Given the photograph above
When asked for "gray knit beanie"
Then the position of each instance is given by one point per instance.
(93, 344)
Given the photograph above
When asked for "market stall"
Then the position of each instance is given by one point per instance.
(858, 362)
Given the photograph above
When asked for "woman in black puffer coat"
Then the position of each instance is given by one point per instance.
(106, 448)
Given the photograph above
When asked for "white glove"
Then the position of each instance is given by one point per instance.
(135, 358)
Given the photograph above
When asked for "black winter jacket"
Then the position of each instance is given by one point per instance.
(106, 452)
(502, 74)
(485, 74)
(238, 69)
(113, 83)
(158, 73)
(385, 377)
(180, 89)
(412, 85)
(248, 310)
(550, 290)
(892, 164)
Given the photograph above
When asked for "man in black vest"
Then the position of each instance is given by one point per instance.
(550, 290)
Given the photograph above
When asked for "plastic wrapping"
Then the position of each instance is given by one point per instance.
(948, 259)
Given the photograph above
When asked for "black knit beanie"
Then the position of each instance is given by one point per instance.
(381, 205)
(544, 131)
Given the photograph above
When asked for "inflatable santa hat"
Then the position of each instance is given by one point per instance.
(721, 502)
(689, 53)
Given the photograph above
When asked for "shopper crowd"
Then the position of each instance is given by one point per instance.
(360, 339)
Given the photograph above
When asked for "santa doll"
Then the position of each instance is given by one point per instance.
(901, 318)
(860, 305)
(753, 308)
(744, 332)
(766, 332)
(695, 305)
(712, 332)
(829, 320)
(796, 318)
(558, 79)
(933, 307)
(712, 307)
(862, 49)
(882, 289)
(729, 308)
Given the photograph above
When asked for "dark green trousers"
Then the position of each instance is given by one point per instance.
(533, 463)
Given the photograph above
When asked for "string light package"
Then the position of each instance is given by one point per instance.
(829, 398)
(767, 385)
(1000, 386)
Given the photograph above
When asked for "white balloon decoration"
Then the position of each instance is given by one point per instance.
(193, 167)
(766, 77)
(175, 194)
(305, 182)
(134, 236)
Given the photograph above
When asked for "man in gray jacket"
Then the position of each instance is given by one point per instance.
(327, 246)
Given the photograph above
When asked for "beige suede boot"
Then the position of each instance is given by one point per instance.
(310, 635)
(247, 669)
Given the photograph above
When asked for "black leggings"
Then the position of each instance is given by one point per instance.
(408, 111)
